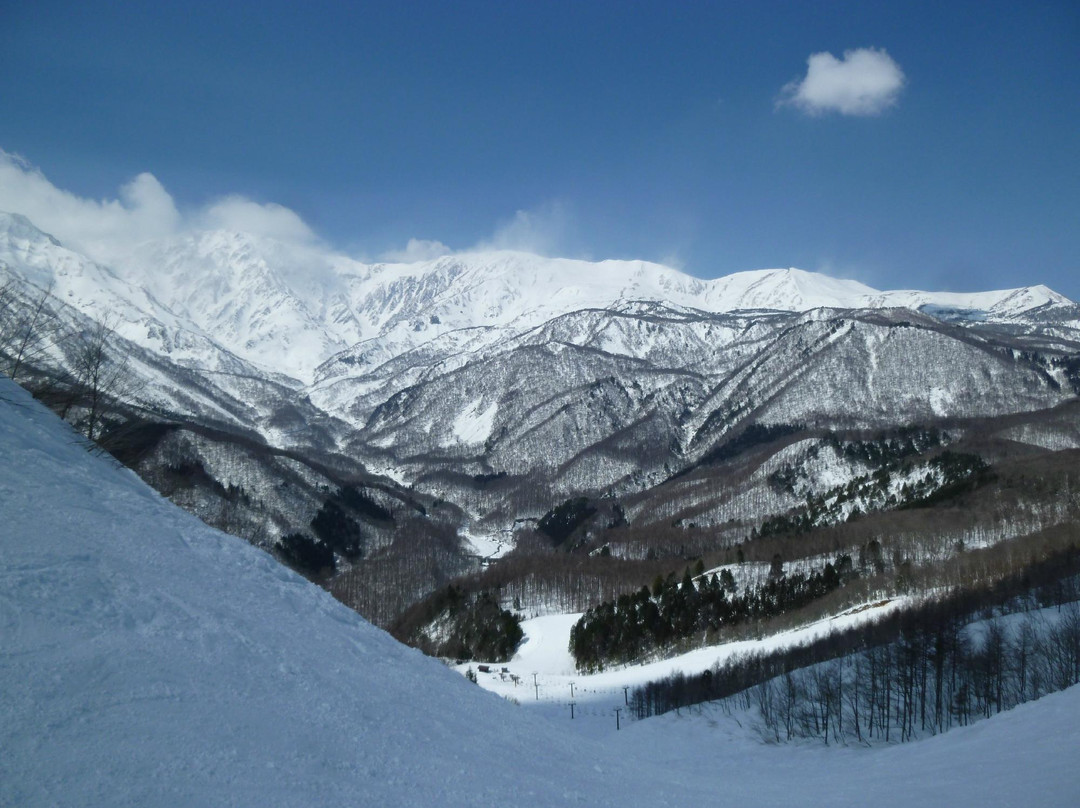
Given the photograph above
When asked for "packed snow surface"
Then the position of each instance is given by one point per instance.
(545, 653)
(148, 660)
(489, 545)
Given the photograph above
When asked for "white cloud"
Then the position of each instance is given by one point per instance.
(108, 229)
(417, 249)
(103, 229)
(865, 82)
(673, 260)
(541, 231)
(238, 213)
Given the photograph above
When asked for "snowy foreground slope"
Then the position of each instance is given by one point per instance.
(146, 659)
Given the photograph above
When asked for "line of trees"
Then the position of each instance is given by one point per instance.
(945, 476)
(927, 682)
(634, 625)
(335, 530)
(422, 557)
(547, 580)
(920, 671)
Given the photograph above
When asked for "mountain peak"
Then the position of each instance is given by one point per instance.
(295, 306)
(788, 289)
(17, 226)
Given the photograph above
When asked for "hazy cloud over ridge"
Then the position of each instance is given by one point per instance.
(417, 249)
(866, 81)
(235, 212)
(108, 229)
(542, 231)
(143, 210)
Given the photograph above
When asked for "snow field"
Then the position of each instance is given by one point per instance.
(545, 653)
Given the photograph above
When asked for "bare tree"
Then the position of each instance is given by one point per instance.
(25, 333)
(7, 295)
(100, 380)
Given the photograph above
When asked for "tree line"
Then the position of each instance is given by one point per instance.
(467, 625)
(945, 477)
(633, 625)
(917, 671)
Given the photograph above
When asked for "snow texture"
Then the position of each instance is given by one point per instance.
(474, 423)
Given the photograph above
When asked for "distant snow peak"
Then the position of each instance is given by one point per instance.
(16, 226)
(784, 290)
(290, 307)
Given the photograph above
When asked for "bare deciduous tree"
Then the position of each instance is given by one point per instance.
(100, 379)
(26, 331)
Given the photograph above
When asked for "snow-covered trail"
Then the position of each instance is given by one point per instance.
(148, 660)
(540, 674)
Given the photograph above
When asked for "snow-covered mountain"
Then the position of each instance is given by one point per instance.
(150, 660)
(263, 299)
(289, 308)
(501, 384)
(279, 306)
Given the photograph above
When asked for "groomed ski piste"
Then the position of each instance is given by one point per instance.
(541, 672)
(149, 660)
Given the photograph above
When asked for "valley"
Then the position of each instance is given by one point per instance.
(442, 443)
(539, 404)
(184, 665)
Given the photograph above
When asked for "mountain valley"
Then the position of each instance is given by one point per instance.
(564, 430)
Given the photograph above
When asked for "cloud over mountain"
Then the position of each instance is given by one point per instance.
(143, 210)
(417, 249)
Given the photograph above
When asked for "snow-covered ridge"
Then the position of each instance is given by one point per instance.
(290, 308)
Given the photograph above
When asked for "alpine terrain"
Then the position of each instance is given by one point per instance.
(564, 469)
(151, 660)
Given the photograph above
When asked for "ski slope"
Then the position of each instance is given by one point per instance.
(148, 660)
(541, 671)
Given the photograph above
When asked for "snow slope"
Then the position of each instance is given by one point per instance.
(148, 660)
(545, 651)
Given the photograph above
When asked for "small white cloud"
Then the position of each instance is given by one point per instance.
(673, 260)
(541, 231)
(865, 82)
(270, 219)
(417, 249)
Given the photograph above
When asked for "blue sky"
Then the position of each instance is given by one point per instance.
(614, 129)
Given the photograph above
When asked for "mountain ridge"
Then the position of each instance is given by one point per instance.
(292, 308)
(484, 391)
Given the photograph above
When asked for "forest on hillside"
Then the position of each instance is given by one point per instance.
(943, 662)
